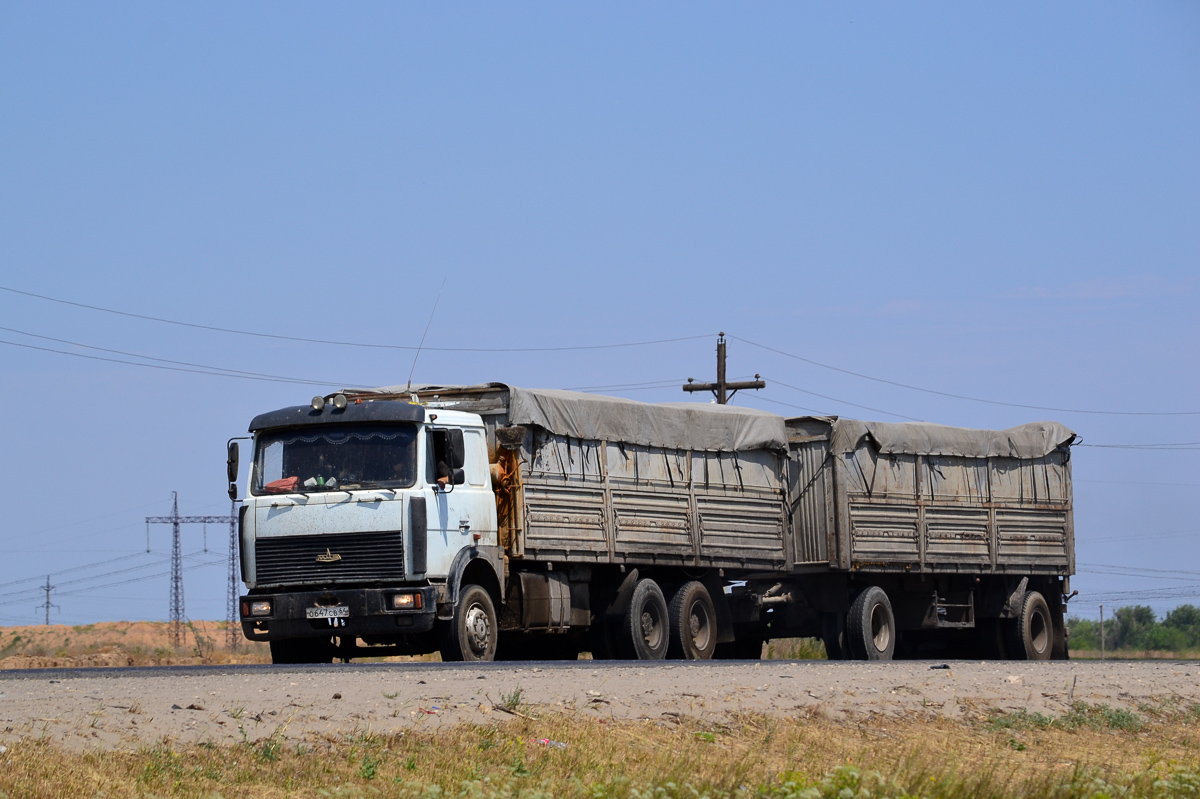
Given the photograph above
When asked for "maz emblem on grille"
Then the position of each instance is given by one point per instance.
(328, 557)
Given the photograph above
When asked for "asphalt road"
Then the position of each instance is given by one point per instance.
(116, 708)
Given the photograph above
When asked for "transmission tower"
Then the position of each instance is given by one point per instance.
(231, 600)
(47, 604)
(178, 616)
(721, 388)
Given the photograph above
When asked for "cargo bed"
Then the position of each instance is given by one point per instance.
(875, 497)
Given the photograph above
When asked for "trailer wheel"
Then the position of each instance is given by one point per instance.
(871, 626)
(644, 629)
(293, 651)
(471, 634)
(1031, 633)
(693, 623)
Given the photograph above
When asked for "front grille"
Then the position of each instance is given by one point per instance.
(365, 557)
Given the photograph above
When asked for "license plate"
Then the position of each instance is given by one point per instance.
(335, 612)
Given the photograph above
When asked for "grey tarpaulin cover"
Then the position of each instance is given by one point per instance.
(676, 425)
(672, 425)
(1034, 440)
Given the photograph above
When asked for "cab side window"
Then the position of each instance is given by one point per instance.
(477, 465)
(436, 461)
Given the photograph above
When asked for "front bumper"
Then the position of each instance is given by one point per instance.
(370, 614)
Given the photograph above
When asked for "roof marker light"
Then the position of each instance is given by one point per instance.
(339, 401)
(318, 403)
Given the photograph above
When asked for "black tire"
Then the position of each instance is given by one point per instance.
(693, 620)
(291, 651)
(471, 634)
(871, 626)
(644, 632)
(1031, 633)
(833, 635)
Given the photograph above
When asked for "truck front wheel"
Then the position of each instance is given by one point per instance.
(471, 634)
(871, 626)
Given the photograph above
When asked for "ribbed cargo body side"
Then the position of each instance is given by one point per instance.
(587, 501)
(901, 512)
(590, 501)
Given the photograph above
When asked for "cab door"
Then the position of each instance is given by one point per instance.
(463, 514)
(449, 517)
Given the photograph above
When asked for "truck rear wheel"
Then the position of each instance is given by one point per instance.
(871, 626)
(1031, 633)
(693, 623)
(644, 630)
(291, 651)
(471, 634)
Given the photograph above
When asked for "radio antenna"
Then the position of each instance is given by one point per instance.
(423, 335)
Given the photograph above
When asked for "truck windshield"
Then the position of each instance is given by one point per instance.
(335, 458)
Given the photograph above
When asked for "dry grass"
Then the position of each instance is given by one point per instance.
(1133, 654)
(122, 643)
(557, 754)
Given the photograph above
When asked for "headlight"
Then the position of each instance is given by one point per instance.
(406, 601)
(261, 608)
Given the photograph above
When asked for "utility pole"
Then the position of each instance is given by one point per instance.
(722, 389)
(178, 616)
(1101, 633)
(47, 604)
(231, 600)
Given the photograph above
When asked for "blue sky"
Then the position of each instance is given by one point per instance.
(1000, 202)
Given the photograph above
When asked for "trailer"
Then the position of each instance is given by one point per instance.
(960, 529)
(540, 523)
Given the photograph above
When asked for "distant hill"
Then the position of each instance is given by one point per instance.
(122, 643)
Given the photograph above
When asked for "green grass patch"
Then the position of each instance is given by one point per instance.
(1080, 716)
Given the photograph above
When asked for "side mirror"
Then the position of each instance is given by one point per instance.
(458, 476)
(456, 450)
(232, 457)
(231, 462)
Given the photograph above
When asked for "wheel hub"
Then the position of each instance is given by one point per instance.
(479, 630)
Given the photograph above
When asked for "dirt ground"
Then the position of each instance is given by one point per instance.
(123, 643)
(116, 710)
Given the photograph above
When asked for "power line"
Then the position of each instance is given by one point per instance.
(90, 589)
(845, 402)
(959, 396)
(222, 369)
(368, 345)
(813, 411)
(629, 386)
(167, 368)
(74, 569)
(92, 519)
(76, 581)
(1149, 572)
(1181, 447)
(1136, 483)
(1179, 592)
(1139, 537)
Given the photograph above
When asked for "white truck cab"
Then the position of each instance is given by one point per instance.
(358, 521)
